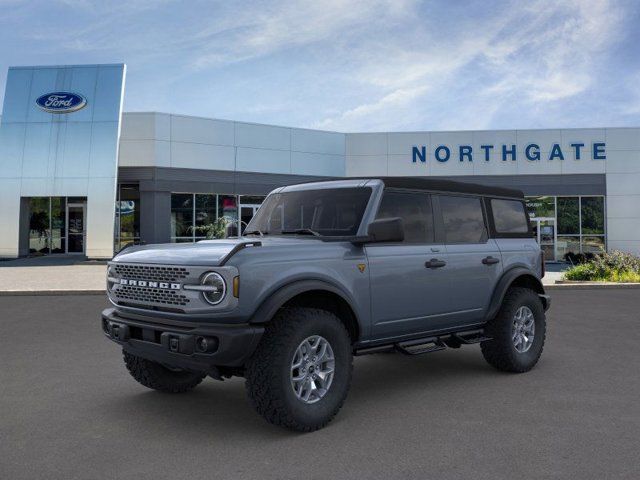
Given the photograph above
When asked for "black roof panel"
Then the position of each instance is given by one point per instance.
(450, 186)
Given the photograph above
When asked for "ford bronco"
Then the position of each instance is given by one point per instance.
(325, 271)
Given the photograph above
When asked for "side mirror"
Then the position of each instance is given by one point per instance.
(386, 230)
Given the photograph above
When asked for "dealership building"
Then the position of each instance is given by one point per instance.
(79, 176)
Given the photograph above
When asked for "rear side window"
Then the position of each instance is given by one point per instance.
(415, 211)
(509, 216)
(463, 219)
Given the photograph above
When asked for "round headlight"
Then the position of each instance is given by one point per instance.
(216, 288)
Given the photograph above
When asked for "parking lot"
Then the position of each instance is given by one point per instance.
(68, 408)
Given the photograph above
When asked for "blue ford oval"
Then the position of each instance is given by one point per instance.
(61, 102)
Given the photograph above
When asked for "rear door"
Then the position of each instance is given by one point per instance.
(408, 280)
(474, 260)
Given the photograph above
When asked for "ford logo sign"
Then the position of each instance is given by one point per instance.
(61, 102)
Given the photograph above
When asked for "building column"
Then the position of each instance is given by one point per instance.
(155, 216)
(25, 217)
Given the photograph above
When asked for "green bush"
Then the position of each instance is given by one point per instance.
(614, 266)
(583, 271)
(215, 230)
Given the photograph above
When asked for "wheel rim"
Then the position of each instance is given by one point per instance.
(523, 330)
(312, 369)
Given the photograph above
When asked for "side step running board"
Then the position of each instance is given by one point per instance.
(428, 344)
(469, 338)
(420, 346)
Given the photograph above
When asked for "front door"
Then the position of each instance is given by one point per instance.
(76, 228)
(409, 280)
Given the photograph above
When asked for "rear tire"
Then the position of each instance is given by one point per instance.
(158, 377)
(271, 373)
(517, 332)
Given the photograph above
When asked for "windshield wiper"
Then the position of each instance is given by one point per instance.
(255, 232)
(302, 231)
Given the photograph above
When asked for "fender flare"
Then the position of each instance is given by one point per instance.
(503, 285)
(282, 295)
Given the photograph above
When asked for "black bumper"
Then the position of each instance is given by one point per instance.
(198, 347)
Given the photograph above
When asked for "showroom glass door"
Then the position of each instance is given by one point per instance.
(247, 211)
(76, 220)
(545, 230)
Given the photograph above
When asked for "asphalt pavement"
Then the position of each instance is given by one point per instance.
(69, 409)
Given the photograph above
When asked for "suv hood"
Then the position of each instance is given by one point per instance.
(206, 252)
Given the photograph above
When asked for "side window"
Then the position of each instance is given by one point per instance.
(415, 211)
(463, 219)
(509, 216)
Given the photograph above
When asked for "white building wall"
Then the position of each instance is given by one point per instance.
(623, 189)
(390, 154)
(165, 140)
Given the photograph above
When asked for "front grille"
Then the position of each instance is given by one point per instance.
(151, 273)
(134, 294)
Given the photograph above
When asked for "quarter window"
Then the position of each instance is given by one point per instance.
(463, 219)
(509, 216)
(415, 211)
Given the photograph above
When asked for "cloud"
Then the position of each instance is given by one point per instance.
(348, 65)
(544, 53)
(286, 25)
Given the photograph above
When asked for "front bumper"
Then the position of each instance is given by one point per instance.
(181, 346)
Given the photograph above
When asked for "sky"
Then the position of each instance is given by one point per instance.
(351, 65)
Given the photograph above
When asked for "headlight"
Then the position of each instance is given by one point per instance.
(215, 288)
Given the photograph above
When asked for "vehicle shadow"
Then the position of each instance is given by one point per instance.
(222, 408)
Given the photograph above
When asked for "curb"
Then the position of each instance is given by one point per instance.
(22, 293)
(592, 286)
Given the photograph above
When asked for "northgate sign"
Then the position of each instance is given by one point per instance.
(532, 152)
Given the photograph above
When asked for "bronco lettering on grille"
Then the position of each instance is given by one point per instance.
(149, 284)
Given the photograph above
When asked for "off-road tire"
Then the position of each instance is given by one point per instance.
(268, 381)
(500, 351)
(158, 377)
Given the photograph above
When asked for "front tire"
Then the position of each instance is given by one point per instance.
(517, 332)
(158, 377)
(300, 374)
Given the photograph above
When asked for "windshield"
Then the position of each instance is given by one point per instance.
(326, 212)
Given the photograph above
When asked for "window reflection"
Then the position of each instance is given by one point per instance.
(580, 222)
(592, 214)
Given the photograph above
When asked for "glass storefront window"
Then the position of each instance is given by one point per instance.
(580, 224)
(58, 230)
(568, 216)
(567, 244)
(228, 208)
(39, 225)
(592, 215)
(48, 228)
(192, 210)
(182, 215)
(127, 228)
(205, 212)
(593, 244)
(249, 205)
(539, 207)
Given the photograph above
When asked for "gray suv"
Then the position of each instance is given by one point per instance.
(325, 271)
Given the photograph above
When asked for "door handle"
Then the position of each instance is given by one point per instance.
(490, 260)
(435, 263)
